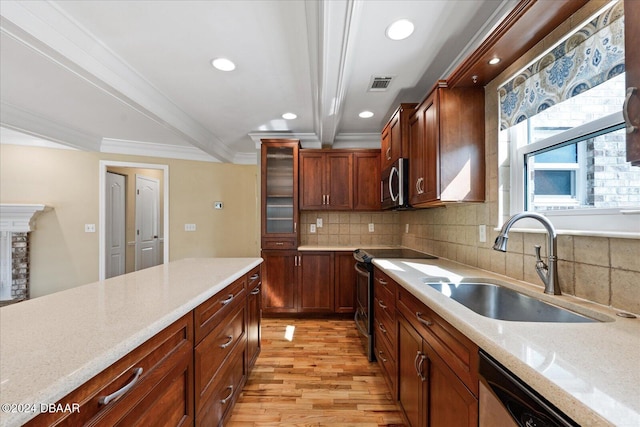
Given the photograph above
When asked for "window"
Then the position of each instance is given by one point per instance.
(562, 133)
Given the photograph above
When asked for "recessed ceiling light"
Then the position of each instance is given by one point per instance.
(366, 114)
(223, 64)
(400, 29)
(289, 116)
(494, 61)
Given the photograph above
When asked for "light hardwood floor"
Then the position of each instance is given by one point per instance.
(320, 377)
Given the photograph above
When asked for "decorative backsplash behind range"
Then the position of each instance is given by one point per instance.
(350, 228)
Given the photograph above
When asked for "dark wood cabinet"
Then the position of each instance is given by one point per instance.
(160, 373)
(446, 147)
(395, 137)
(345, 282)
(279, 192)
(438, 380)
(632, 67)
(366, 180)
(279, 282)
(326, 180)
(254, 315)
(316, 282)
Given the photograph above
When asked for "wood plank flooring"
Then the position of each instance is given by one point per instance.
(320, 377)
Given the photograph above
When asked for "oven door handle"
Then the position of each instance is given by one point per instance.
(356, 318)
(360, 271)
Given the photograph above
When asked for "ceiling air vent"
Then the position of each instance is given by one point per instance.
(380, 83)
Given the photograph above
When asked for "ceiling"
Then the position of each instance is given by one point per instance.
(135, 77)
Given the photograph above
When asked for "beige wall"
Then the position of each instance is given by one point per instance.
(64, 256)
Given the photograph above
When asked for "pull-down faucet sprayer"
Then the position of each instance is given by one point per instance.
(548, 273)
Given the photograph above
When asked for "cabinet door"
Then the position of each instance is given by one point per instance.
(279, 177)
(385, 148)
(632, 60)
(312, 180)
(315, 271)
(339, 181)
(253, 316)
(450, 402)
(395, 130)
(279, 285)
(366, 173)
(412, 384)
(417, 155)
(345, 282)
(431, 141)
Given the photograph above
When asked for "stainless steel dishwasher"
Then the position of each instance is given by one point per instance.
(507, 401)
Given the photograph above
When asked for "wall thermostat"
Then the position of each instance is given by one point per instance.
(217, 205)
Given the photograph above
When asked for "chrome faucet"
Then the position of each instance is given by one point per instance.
(548, 273)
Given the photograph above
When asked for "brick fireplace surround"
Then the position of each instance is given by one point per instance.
(16, 223)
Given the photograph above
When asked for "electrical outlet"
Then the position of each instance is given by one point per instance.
(89, 228)
(371, 228)
(319, 222)
(189, 227)
(482, 233)
(312, 228)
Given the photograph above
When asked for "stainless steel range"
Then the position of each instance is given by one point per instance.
(364, 287)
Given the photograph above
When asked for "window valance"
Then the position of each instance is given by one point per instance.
(592, 55)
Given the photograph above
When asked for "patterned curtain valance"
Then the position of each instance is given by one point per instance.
(589, 57)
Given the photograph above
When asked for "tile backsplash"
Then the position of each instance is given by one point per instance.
(350, 228)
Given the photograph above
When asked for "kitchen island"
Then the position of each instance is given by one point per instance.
(51, 345)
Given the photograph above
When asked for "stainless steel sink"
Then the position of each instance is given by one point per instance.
(497, 302)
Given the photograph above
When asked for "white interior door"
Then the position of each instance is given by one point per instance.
(115, 240)
(147, 217)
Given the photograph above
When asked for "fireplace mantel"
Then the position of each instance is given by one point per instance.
(19, 218)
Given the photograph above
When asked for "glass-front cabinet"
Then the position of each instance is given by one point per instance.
(279, 159)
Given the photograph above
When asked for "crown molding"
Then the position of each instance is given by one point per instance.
(152, 149)
(48, 30)
(307, 140)
(357, 140)
(18, 119)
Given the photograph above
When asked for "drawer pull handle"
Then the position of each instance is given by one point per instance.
(228, 300)
(105, 400)
(381, 327)
(423, 321)
(279, 243)
(380, 354)
(256, 291)
(254, 277)
(226, 399)
(228, 343)
(625, 110)
(381, 304)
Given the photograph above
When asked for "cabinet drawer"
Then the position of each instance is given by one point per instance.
(209, 313)
(386, 283)
(169, 353)
(459, 352)
(384, 325)
(387, 360)
(214, 349)
(225, 391)
(279, 244)
(384, 304)
(254, 278)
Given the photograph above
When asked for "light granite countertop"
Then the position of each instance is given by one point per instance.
(590, 371)
(52, 344)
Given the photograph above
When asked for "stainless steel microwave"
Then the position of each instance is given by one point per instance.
(394, 185)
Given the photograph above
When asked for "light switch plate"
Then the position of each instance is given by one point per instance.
(189, 227)
(482, 233)
(218, 205)
(89, 228)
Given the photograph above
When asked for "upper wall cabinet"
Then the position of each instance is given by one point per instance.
(632, 65)
(395, 138)
(279, 165)
(446, 147)
(339, 179)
